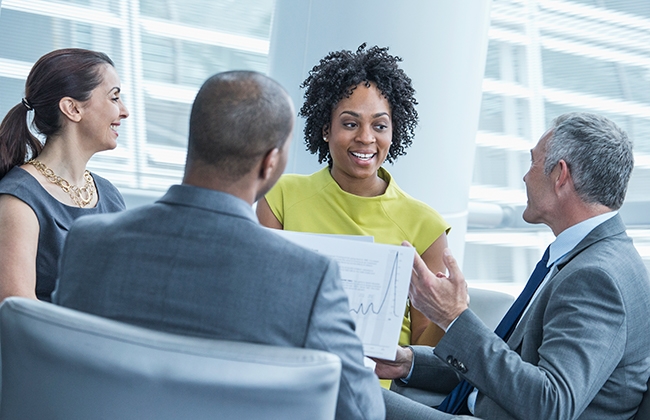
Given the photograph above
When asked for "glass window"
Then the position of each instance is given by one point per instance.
(163, 51)
(246, 17)
(167, 122)
(588, 61)
(491, 117)
(12, 92)
(634, 7)
(583, 74)
(539, 65)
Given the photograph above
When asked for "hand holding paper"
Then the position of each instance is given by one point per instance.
(399, 368)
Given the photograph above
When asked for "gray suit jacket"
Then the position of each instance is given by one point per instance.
(582, 351)
(197, 262)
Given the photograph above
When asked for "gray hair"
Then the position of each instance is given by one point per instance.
(598, 154)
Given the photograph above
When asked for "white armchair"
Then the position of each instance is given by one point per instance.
(58, 363)
(489, 305)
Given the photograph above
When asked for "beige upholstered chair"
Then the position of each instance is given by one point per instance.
(58, 363)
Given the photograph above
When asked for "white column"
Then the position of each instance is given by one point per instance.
(443, 44)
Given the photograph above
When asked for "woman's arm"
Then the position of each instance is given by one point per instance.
(266, 216)
(19, 231)
(423, 331)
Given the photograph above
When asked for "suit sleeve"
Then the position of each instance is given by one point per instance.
(332, 329)
(583, 337)
(430, 373)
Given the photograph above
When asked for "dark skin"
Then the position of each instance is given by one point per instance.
(361, 123)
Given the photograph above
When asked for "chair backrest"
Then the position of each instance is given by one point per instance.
(58, 363)
(644, 408)
(489, 305)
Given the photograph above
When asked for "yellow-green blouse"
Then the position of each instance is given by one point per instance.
(315, 203)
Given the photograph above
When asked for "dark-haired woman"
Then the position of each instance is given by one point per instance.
(73, 99)
(360, 112)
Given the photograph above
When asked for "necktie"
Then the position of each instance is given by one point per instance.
(455, 400)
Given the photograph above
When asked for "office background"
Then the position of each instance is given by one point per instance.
(544, 58)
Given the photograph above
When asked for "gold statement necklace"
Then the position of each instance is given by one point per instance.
(81, 196)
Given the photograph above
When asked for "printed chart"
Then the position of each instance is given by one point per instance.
(376, 278)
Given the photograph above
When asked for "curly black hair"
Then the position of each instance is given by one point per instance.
(336, 76)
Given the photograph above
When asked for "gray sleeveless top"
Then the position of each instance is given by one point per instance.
(55, 219)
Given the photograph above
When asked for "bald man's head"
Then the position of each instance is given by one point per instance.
(237, 117)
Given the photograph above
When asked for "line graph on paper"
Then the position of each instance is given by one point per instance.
(376, 279)
(389, 295)
(377, 302)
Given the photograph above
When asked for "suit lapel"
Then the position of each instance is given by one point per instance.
(608, 228)
(611, 227)
(518, 334)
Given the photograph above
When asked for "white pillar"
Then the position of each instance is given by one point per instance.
(443, 44)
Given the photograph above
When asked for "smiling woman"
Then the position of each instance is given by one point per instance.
(360, 112)
(359, 136)
(73, 99)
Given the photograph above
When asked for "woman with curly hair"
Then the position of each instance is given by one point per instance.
(360, 112)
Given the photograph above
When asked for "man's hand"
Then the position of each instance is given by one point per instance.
(399, 368)
(439, 297)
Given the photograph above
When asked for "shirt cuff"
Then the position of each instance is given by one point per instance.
(451, 323)
(408, 377)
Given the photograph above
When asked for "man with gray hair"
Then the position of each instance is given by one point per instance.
(575, 344)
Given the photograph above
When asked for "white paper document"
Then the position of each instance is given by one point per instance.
(376, 278)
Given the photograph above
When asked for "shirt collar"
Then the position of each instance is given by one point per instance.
(569, 238)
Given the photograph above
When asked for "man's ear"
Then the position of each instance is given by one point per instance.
(270, 161)
(70, 108)
(561, 174)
